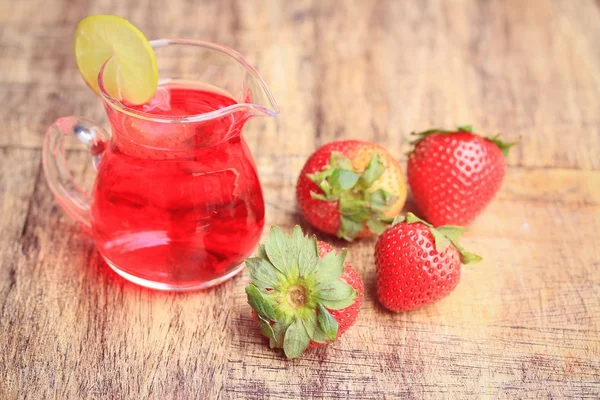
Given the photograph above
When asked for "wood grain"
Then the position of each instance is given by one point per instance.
(525, 323)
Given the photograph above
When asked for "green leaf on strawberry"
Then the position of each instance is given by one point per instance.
(373, 172)
(452, 232)
(443, 236)
(358, 206)
(263, 275)
(259, 303)
(296, 339)
(291, 291)
(266, 328)
(377, 227)
(349, 229)
(331, 267)
(504, 146)
(327, 323)
(279, 330)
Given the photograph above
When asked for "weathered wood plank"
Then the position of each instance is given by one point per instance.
(19, 172)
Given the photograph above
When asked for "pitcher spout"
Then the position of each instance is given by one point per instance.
(258, 99)
(228, 71)
(260, 103)
(255, 96)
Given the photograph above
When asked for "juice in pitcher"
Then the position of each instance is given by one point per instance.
(178, 203)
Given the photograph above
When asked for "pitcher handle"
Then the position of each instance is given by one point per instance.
(71, 197)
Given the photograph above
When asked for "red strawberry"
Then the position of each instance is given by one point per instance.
(351, 188)
(302, 292)
(454, 175)
(418, 264)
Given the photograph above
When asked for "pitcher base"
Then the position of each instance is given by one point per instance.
(174, 287)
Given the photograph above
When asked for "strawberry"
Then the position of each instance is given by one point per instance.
(302, 292)
(351, 188)
(418, 264)
(454, 175)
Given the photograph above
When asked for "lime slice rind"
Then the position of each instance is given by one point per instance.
(131, 76)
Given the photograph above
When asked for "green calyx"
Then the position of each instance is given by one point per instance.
(504, 146)
(357, 205)
(443, 236)
(291, 291)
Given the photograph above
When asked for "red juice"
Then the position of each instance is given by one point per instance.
(177, 204)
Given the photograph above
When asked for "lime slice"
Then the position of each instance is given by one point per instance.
(131, 75)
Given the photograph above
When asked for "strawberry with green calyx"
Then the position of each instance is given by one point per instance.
(455, 174)
(351, 188)
(418, 264)
(301, 291)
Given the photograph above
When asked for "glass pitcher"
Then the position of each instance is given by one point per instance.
(176, 203)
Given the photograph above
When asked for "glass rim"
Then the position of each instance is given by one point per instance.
(117, 105)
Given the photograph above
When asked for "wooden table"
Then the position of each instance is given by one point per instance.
(522, 324)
